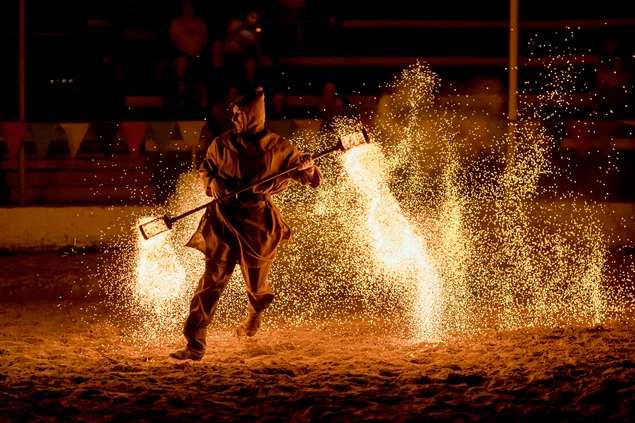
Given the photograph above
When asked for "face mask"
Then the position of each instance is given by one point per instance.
(239, 120)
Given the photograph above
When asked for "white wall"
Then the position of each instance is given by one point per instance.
(40, 228)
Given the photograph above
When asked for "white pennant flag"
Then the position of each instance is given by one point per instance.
(191, 131)
(75, 133)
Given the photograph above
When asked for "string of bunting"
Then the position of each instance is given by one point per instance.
(13, 133)
(162, 134)
(42, 134)
(111, 137)
(75, 133)
(132, 136)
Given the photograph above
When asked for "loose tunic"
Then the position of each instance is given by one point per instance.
(247, 228)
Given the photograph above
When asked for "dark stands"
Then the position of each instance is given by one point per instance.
(150, 62)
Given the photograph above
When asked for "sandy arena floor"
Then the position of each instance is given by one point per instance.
(68, 360)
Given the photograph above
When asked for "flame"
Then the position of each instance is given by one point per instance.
(395, 243)
(160, 277)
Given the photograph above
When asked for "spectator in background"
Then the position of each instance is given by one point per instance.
(291, 15)
(188, 34)
(250, 35)
(234, 54)
(217, 89)
(137, 57)
(613, 82)
(241, 49)
(331, 104)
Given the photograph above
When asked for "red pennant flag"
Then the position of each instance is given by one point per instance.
(14, 133)
(133, 133)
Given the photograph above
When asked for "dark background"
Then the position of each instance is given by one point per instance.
(83, 43)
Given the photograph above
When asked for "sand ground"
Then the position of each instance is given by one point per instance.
(70, 359)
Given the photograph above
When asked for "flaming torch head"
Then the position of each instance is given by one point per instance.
(359, 137)
(155, 227)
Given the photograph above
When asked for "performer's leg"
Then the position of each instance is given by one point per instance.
(204, 302)
(259, 296)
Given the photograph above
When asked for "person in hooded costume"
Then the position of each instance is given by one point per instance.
(245, 229)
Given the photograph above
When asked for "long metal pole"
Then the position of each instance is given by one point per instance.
(253, 184)
(512, 102)
(22, 97)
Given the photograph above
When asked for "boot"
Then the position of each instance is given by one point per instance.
(186, 354)
(251, 324)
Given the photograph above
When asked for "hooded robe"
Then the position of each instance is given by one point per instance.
(249, 227)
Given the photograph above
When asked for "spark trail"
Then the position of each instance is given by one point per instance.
(394, 240)
(427, 230)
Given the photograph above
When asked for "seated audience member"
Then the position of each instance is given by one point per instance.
(241, 49)
(331, 104)
(188, 34)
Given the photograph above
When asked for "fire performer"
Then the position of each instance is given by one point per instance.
(247, 228)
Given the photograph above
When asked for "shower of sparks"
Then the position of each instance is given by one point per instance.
(160, 283)
(394, 241)
(154, 280)
(430, 230)
(160, 276)
(166, 272)
(556, 80)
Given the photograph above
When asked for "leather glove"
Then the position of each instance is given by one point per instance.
(306, 162)
(215, 188)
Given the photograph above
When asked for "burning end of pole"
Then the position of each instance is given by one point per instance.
(354, 139)
(155, 227)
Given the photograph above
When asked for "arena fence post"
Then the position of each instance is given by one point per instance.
(512, 97)
(22, 99)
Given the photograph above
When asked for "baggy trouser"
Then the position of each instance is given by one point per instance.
(211, 286)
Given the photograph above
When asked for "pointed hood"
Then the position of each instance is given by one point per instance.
(248, 113)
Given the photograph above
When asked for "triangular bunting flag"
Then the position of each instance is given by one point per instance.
(14, 133)
(191, 131)
(90, 147)
(42, 133)
(75, 133)
(162, 133)
(133, 133)
(308, 125)
(284, 128)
